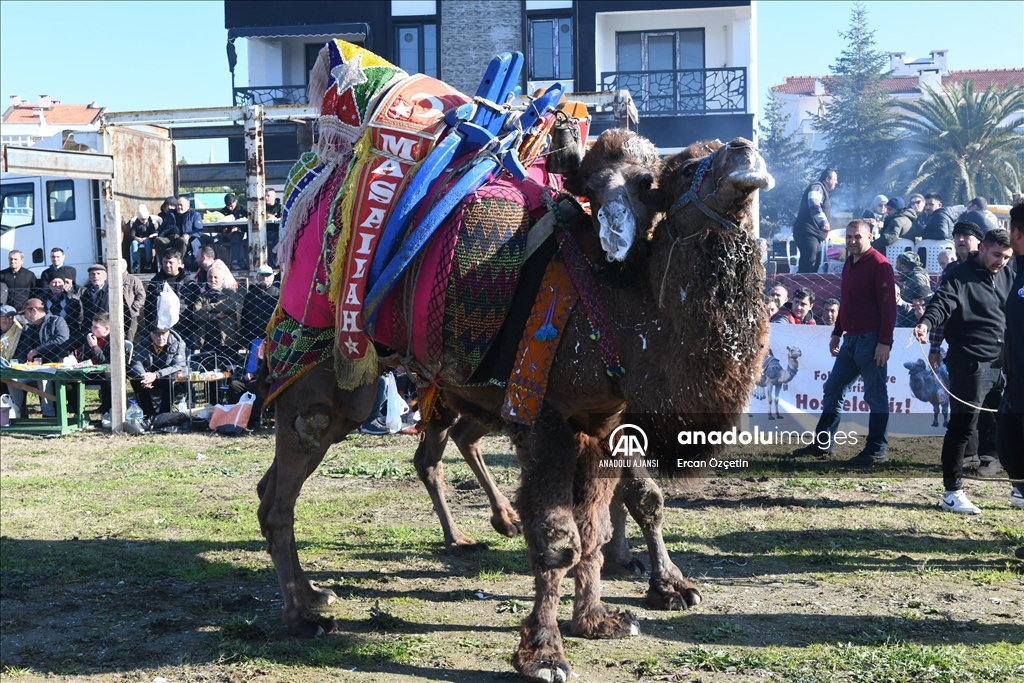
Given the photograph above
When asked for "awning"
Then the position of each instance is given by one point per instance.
(302, 31)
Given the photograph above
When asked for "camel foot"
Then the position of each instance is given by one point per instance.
(672, 593)
(507, 523)
(309, 625)
(318, 598)
(539, 656)
(600, 623)
(624, 566)
(464, 545)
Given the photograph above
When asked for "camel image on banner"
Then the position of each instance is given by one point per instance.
(775, 378)
(925, 388)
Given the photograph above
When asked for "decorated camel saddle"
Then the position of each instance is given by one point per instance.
(411, 227)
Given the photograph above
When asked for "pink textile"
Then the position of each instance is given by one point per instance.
(299, 296)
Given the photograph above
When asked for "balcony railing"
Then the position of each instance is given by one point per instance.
(682, 91)
(270, 95)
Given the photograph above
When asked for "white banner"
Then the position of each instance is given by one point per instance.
(791, 388)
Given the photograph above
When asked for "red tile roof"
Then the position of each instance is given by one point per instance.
(1001, 78)
(58, 114)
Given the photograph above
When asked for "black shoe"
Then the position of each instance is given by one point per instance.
(989, 467)
(971, 462)
(1020, 552)
(865, 459)
(813, 450)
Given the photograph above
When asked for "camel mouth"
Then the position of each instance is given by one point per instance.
(752, 179)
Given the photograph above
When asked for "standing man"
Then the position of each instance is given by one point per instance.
(866, 318)
(1011, 409)
(810, 228)
(95, 296)
(970, 304)
(56, 268)
(20, 281)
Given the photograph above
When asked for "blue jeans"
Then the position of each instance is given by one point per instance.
(147, 255)
(856, 359)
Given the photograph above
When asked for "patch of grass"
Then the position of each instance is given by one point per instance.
(717, 633)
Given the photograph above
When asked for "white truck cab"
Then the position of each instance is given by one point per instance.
(41, 212)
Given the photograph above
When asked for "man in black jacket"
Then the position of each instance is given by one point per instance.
(155, 362)
(57, 268)
(970, 305)
(260, 302)
(811, 226)
(58, 301)
(978, 213)
(1010, 420)
(899, 222)
(940, 218)
(21, 282)
(44, 338)
(173, 274)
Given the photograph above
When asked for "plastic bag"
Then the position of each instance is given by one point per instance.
(168, 308)
(233, 419)
(8, 411)
(397, 407)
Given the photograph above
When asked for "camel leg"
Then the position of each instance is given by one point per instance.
(618, 558)
(431, 472)
(467, 435)
(306, 429)
(593, 491)
(669, 589)
(547, 456)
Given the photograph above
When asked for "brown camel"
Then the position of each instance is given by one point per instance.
(689, 329)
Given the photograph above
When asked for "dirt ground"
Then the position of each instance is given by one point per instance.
(140, 559)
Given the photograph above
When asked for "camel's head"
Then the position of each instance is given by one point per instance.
(717, 177)
(617, 175)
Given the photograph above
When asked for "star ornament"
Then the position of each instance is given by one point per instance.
(351, 346)
(401, 110)
(349, 74)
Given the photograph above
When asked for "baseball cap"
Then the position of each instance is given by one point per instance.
(7, 311)
(265, 270)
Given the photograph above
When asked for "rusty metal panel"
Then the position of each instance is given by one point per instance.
(143, 167)
(57, 162)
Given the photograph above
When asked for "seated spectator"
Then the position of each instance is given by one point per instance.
(205, 259)
(940, 218)
(44, 339)
(260, 302)
(898, 223)
(943, 258)
(875, 214)
(167, 211)
(916, 202)
(232, 237)
(176, 277)
(215, 311)
(155, 363)
(780, 294)
(56, 268)
(21, 282)
(10, 333)
(829, 312)
(978, 213)
(797, 311)
(142, 231)
(96, 347)
(914, 280)
(771, 307)
(59, 302)
(95, 295)
(910, 316)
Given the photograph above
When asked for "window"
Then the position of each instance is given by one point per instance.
(416, 48)
(312, 52)
(18, 206)
(60, 200)
(551, 48)
(668, 68)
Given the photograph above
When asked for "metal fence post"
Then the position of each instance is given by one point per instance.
(112, 224)
(255, 186)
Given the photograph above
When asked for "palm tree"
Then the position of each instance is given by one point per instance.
(963, 144)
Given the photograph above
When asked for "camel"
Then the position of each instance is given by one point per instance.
(775, 378)
(686, 319)
(926, 388)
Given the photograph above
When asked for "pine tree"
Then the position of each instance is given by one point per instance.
(788, 158)
(860, 122)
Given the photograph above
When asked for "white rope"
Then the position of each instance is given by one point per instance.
(936, 376)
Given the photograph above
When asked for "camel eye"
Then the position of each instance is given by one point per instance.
(689, 170)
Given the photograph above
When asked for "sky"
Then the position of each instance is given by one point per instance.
(163, 55)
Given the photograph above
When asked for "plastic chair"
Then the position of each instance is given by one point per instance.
(893, 251)
(929, 250)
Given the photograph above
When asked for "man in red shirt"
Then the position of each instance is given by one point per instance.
(866, 318)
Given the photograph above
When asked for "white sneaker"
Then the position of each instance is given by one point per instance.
(1016, 499)
(957, 501)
